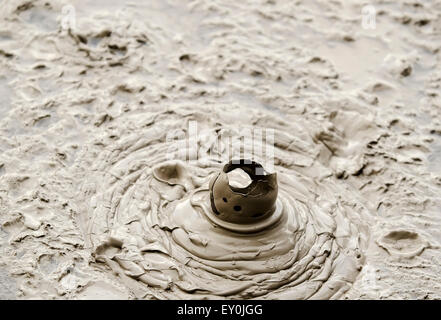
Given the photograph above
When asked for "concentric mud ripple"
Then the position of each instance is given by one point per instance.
(144, 219)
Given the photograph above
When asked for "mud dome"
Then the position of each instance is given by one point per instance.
(145, 219)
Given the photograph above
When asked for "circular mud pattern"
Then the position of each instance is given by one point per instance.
(143, 217)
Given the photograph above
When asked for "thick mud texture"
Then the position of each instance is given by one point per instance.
(104, 186)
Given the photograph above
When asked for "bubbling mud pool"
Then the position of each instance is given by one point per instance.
(146, 218)
(98, 200)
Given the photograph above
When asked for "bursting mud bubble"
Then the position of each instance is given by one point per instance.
(150, 221)
(116, 115)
